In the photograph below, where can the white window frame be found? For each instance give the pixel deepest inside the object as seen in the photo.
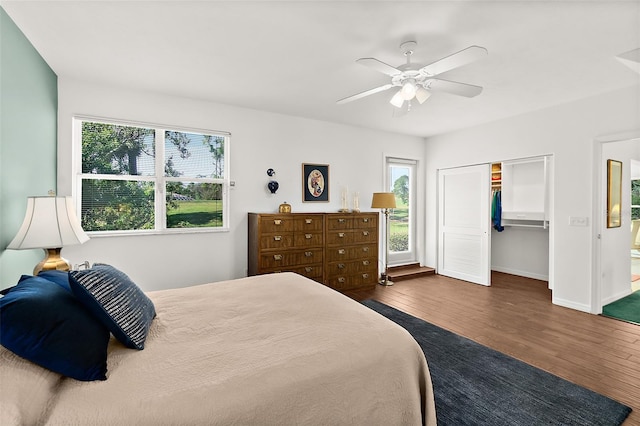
(159, 179)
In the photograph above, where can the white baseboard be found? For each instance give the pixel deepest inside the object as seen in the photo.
(571, 305)
(526, 274)
(615, 297)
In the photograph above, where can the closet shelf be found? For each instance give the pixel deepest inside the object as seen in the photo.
(541, 224)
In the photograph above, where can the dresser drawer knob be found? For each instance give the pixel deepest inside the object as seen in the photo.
(365, 249)
(277, 257)
(365, 220)
(341, 220)
(277, 221)
(308, 236)
(341, 251)
(365, 233)
(365, 262)
(277, 237)
(340, 265)
(341, 234)
(308, 253)
(342, 279)
(308, 221)
(365, 276)
(308, 269)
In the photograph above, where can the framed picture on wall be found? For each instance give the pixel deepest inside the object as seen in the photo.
(315, 182)
(614, 193)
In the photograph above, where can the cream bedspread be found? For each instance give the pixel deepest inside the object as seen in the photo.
(269, 350)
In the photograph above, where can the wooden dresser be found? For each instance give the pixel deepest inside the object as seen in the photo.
(339, 250)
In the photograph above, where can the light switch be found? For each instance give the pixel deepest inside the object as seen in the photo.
(578, 221)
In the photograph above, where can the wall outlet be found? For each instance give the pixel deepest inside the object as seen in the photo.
(578, 221)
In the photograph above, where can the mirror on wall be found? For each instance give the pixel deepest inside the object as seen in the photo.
(614, 193)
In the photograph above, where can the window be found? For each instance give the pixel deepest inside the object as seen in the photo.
(401, 180)
(147, 179)
(635, 199)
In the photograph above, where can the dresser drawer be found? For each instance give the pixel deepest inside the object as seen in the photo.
(345, 282)
(309, 223)
(365, 251)
(367, 265)
(275, 241)
(336, 269)
(364, 278)
(307, 239)
(276, 261)
(310, 271)
(339, 238)
(275, 224)
(352, 267)
(335, 254)
(366, 221)
(342, 254)
(339, 222)
(308, 256)
(364, 236)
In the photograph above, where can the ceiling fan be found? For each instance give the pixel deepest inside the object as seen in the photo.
(416, 82)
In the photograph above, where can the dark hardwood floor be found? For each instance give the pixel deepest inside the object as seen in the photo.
(515, 316)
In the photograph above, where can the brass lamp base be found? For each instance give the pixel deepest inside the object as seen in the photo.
(384, 280)
(52, 262)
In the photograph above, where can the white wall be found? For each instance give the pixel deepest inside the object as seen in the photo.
(521, 251)
(566, 131)
(259, 141)
(615, 261)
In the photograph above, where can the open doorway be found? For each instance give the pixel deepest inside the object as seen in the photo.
(618, 265)
(401, 180)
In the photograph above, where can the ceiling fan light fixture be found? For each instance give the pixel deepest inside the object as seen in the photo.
(397, 100)
(422, 94)
(409, 89)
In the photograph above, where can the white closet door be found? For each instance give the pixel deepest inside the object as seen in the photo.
(463, 223)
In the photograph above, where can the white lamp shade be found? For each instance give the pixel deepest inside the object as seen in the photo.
(50, 222)
(397, 100)
(422, 94)
(383, 200)
(409, 89)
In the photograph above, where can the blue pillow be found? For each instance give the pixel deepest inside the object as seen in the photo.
(116, 301)
(44, 323)
(59, 277)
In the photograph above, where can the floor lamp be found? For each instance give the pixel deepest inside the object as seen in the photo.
(385, 201)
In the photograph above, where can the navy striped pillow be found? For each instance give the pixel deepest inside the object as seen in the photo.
(115, 300)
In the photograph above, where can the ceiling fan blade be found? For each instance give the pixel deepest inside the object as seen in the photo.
(365, 93)
(454, 87)
(458, 59)
(380, 66)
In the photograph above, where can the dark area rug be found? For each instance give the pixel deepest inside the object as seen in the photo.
(626, 309)
(476, 385)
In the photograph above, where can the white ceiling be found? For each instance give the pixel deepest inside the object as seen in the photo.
(298, 57)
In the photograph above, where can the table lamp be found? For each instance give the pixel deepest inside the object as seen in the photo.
(385, 201)
(50, 223)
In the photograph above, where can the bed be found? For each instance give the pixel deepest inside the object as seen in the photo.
(273, 349)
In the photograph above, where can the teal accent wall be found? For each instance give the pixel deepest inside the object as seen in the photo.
(28, 141)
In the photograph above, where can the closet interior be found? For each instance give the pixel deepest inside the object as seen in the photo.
(521, 193)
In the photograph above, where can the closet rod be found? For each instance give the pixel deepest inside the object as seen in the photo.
(525, 226)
